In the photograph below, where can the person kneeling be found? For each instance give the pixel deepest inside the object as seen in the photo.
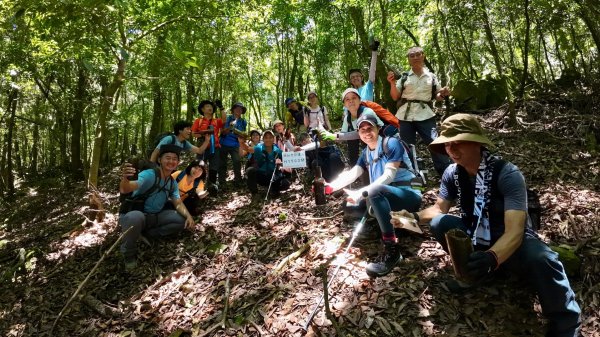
(143, 213)
(389, 188)
(191, 185)
(266, 170)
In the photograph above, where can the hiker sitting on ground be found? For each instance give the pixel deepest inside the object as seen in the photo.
(190, 182)
(235, 125)
(357, 81)
(209, 126)
(154, 187)
(267, 158)
(415, 91)
(295, 116)
(389, 187)
(316, 114)
(181, 133)
(352, 106)
(492, 200)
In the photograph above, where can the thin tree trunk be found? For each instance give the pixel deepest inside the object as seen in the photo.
(75, 121)
(521, 94)
(157, 96)
(12, 109)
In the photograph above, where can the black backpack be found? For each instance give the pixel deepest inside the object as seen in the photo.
(152, 146)
(129, 202)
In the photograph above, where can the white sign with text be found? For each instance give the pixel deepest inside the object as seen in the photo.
(294, 159)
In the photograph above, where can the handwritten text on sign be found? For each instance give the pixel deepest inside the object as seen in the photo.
(294, 159)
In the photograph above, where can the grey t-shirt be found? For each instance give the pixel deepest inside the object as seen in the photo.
(511, 184)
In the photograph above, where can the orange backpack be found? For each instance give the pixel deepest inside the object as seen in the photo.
(384, 114)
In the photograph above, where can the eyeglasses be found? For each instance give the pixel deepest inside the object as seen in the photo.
(414, 55)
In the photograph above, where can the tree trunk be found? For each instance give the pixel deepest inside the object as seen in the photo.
(589, 14)
(494, 51)
(12, 109)
(157, 99)
(35, 147)
(521, 94)
(75, 121)
(190, 94)
(106, 102)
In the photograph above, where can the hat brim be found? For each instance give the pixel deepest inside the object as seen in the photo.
(439, 144)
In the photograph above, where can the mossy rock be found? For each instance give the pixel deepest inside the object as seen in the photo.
(571, 262)
(467, 95)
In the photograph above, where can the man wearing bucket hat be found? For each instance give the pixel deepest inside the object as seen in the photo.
(389, 187)
(235, 125)
(492, 199)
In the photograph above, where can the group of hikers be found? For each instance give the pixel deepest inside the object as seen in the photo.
(490, 193)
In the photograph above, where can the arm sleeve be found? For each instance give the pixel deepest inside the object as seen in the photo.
(388, 175)
(373, 67)
(308, 147)
(346, 178)
(345, 121)
(352, 135)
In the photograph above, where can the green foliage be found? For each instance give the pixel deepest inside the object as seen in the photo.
(258, 52)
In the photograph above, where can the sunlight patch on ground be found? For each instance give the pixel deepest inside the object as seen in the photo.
(82, 237)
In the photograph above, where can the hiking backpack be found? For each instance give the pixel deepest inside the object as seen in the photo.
(411, 165)
(152, 146)
(390, 122)
(129, 202)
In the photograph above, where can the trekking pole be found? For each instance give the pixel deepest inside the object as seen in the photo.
(272, 179)
(357, 230)
(413, 149)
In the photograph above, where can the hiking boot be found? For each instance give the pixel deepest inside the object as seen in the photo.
(386, 261)
(130, 263)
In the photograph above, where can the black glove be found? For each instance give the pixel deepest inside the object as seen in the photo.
(481, 263)
(374, 45)
(219, 104)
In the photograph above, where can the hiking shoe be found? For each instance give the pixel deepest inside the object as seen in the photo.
(130, 263)
(386, 261)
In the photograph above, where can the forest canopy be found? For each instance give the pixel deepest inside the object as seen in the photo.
(85, 82)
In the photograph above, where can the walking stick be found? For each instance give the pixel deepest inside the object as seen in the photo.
(337, 269)
(272, 179)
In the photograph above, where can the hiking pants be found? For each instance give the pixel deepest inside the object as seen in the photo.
(235, 158)
(386, 198)
(428, 132)
(160, 225)
(330, 161)
(538, 265)
(263, 178)
(213, 160)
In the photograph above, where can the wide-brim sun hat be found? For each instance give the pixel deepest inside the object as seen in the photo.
(203, 103)
(460, 127)
(278, 121)
(238, 104)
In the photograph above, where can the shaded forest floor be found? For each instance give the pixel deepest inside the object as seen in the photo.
(227, 262)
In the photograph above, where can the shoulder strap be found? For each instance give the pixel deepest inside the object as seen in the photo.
(403, 79)
(180, 176)
(154, 186)
(173, 139)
